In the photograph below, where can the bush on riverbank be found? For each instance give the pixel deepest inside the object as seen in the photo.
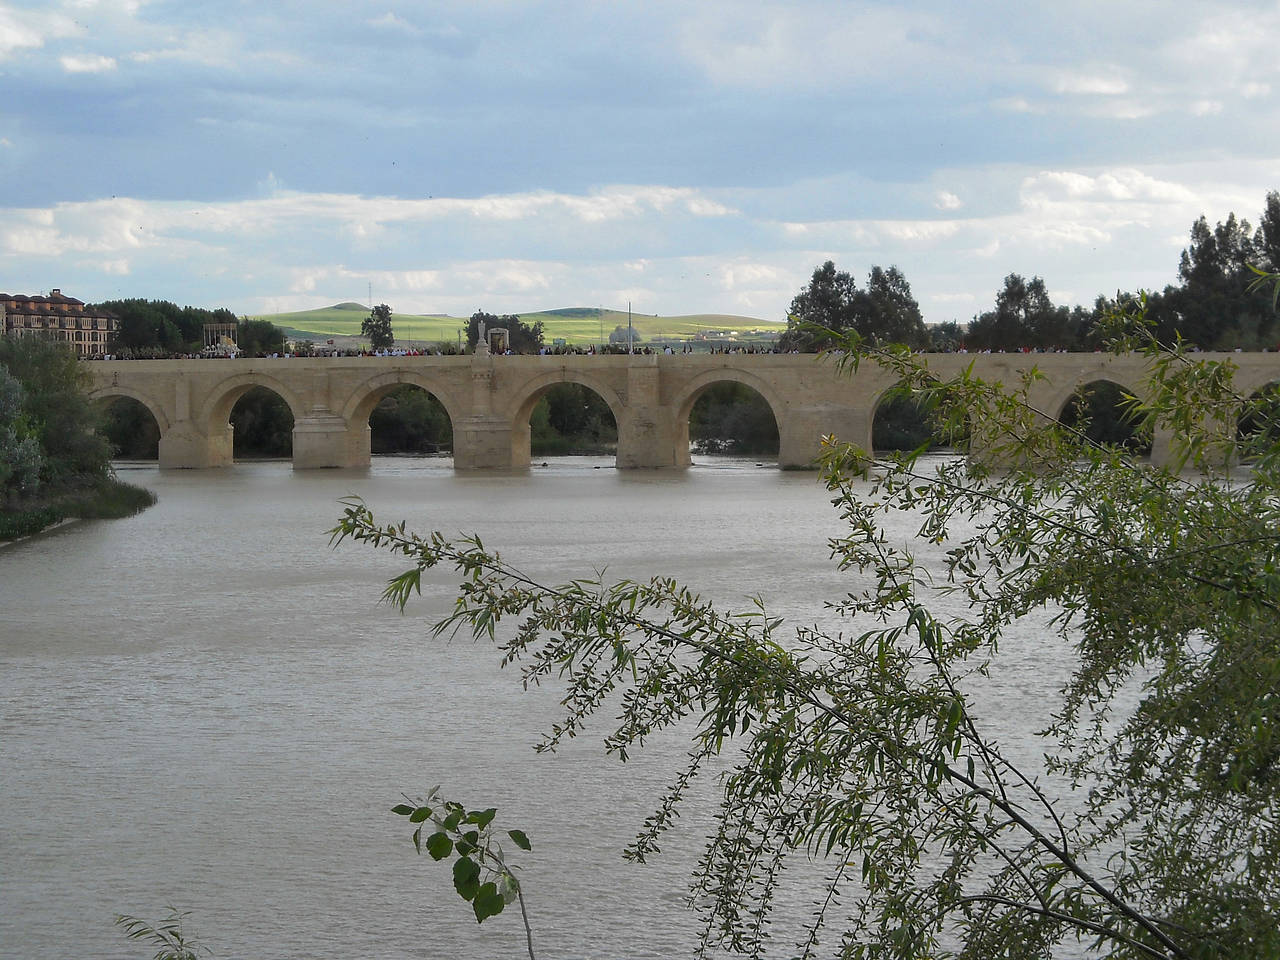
(53, 462)
(104, 499)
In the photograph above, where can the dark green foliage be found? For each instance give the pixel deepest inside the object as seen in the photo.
(55, 463)
(259, 338)
(523, 337)
(263, 424)
(21, 458)
(410, 420)
(158, 325)
(730, 417)
(886, 312)
(57, 408)
(166, 936)
(901, 423)
(24, 523)
(1025, 317)
(481, 874)
(945, 337)
(377, 327)
(571, 420)
(130, 429)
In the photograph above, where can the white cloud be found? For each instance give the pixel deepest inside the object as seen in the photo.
(87, 63)
(1107, 85)
(946, 200)
(391, 21)
(1126, 184)
(22, 29)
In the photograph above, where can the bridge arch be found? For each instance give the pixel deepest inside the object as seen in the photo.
(1055, 404)
(532, 390)
(1258, 420)
(215, 414)
(897, 422)
(366, 394)
(113, 390)
(689, 393)
(1104, 411)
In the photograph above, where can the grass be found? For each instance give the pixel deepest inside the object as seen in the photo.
(574, 325)
(97, 499)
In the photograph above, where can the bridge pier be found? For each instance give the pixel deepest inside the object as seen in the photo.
(488, 443)
(182, 447)
(327, 441)
(647, 440)
(800, 433)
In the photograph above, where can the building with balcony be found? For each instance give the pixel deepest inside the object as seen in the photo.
(64, 318)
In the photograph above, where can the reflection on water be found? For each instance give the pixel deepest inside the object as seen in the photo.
(204, 705)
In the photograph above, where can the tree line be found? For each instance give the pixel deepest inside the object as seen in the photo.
(162, 328)
(1216, 305)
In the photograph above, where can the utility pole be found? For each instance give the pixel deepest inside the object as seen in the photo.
(631, 342)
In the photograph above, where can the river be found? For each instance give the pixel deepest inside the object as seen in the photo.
(205, 706)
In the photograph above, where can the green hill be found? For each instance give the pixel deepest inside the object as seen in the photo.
(579, 325)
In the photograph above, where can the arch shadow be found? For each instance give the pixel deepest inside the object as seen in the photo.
(534, 389)
(699, 384)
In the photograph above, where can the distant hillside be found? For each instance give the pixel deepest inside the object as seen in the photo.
(572, 324)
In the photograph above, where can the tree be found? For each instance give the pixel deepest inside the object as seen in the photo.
(20, 456)
(1215, 307)
(56, 404)
(159, 326)
(885, 312)
(259, 337)
(1024, 316)
(893, 316)
(625, 335)
(377, 327)
(523, 337)
(1152, 832)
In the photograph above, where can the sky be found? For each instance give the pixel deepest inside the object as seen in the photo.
(686, 157)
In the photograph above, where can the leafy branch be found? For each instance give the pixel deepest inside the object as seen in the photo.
(481, 874)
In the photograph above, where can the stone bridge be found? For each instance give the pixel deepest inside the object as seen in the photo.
(489, 398)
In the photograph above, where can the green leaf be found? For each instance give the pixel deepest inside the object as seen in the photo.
(439, 845)
(488, 902)
(420, 814)
(519, 839)
(466, 877)
(402, 809)
(417, 839)
(482, 818)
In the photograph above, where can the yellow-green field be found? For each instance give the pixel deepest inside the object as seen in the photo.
(576, 325)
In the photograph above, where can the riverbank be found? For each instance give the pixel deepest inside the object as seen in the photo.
(106, 499)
